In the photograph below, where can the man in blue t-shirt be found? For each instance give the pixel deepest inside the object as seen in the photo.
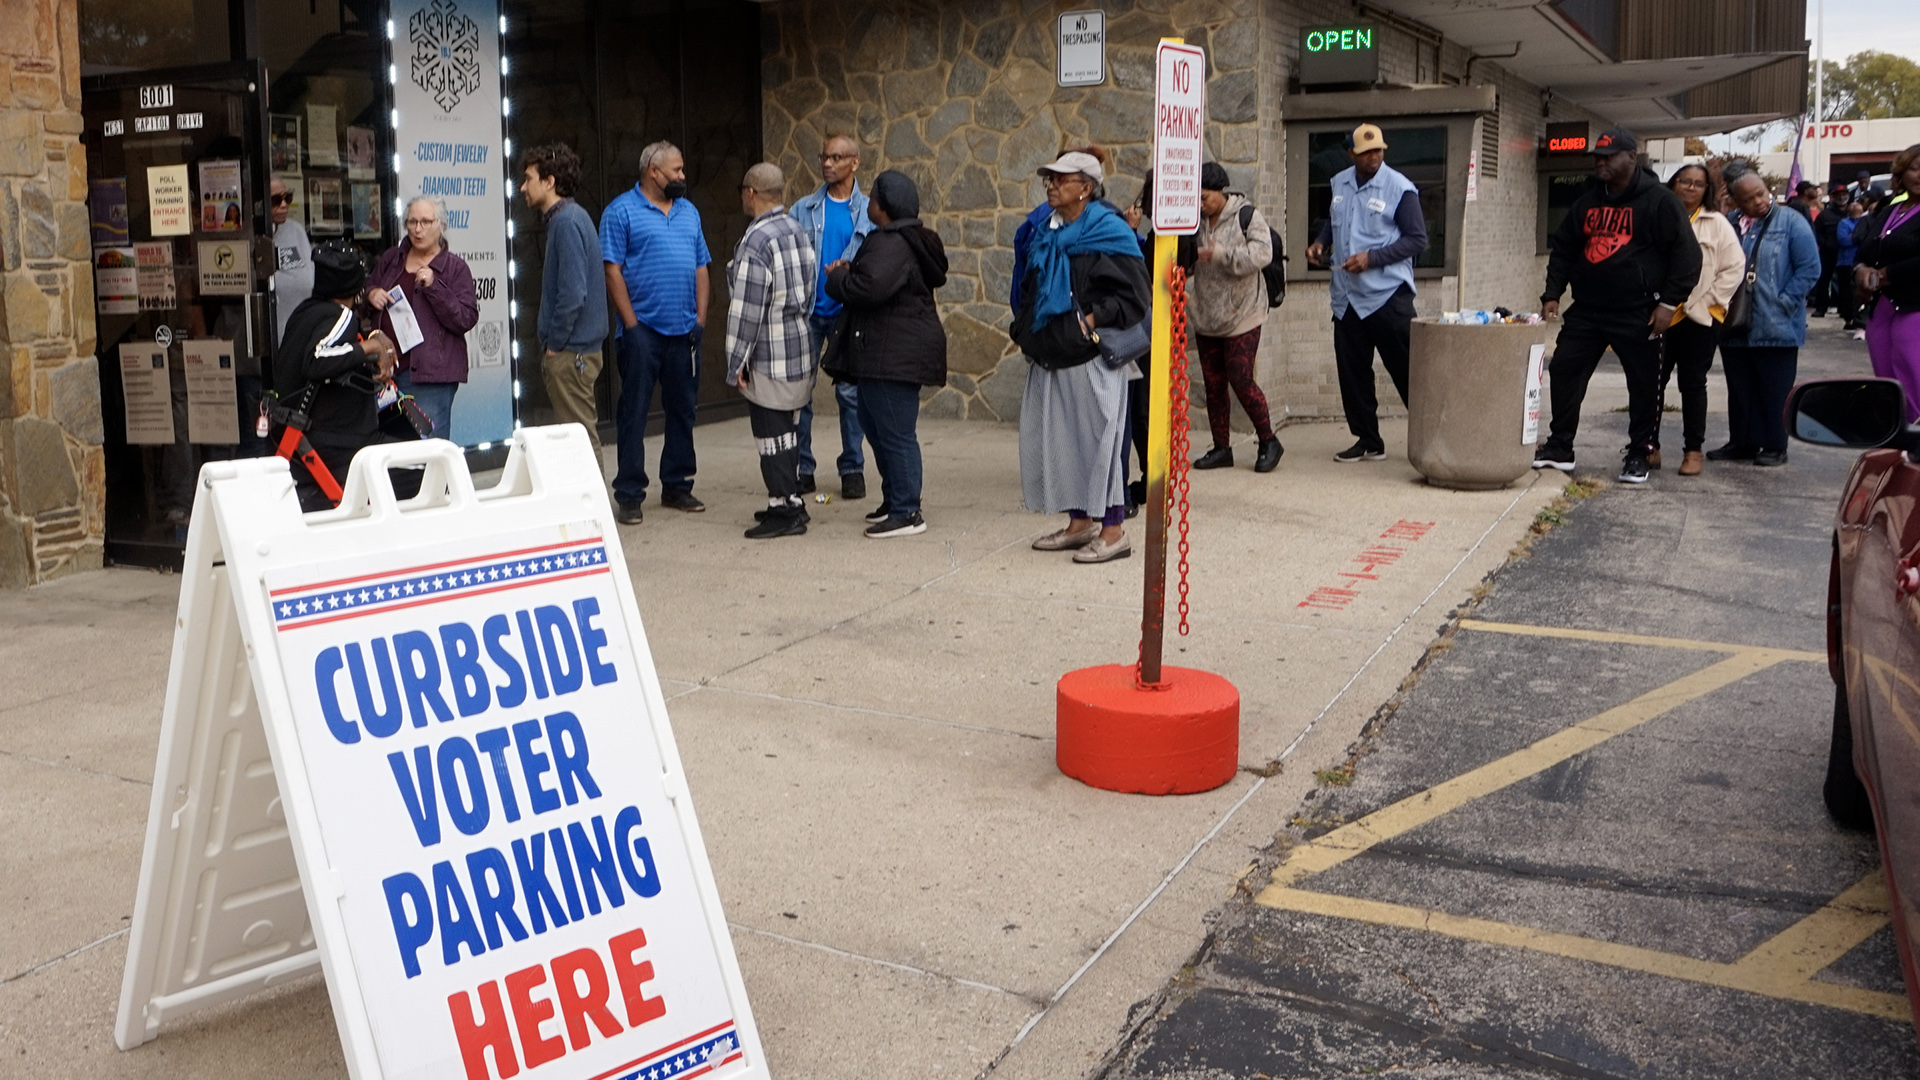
(656, 262)
(835, 215)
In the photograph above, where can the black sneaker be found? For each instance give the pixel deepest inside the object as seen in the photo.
(1733, 452)
(879, 514)
(807, 484)
(1551, 456)
(1361, 452)
(1770, 458)
(1269, 457)
(898, 525)
(681, 500)
(800, 508)
(1634, 469)
(853, 486)
(627, 513)
(1220, 457)
(779, 523)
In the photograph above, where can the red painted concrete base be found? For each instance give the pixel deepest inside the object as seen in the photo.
(1180, 738)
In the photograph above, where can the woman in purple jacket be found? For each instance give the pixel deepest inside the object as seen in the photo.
(438, 286)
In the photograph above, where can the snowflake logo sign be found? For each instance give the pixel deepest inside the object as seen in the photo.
(446, 52)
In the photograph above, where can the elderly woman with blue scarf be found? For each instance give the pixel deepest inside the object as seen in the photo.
(1083, 271)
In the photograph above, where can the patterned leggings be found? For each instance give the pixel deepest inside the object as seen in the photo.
(1228, 364)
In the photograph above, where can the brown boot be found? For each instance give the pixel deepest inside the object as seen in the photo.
(1692, 463)
(1653, 458)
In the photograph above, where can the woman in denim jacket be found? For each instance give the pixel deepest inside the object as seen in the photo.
(1760, 363)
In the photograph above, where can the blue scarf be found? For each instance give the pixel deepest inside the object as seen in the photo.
(1099, 230)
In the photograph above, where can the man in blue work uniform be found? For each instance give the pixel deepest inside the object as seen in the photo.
(835, 215)
(1374, 231)
(656, 262)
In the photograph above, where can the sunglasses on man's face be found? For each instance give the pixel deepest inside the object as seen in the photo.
(281, 200)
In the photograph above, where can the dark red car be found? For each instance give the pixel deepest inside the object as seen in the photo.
(1873, 629)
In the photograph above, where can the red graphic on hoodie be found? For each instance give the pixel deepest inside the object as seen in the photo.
(1608, 229)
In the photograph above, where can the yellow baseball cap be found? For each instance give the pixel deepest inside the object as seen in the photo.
(1367, 137)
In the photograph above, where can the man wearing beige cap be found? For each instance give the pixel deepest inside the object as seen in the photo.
(1373, 232)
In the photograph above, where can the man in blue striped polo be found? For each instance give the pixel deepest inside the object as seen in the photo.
(656, 262)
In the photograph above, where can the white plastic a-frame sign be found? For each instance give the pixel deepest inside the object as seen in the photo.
(422, 745)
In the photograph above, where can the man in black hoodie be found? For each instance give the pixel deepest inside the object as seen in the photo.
(1628, 250)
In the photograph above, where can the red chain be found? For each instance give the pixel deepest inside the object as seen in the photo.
(1179, 465)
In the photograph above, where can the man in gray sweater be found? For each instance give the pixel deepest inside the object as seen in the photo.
(573, 306)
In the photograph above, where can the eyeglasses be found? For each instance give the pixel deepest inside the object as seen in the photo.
(423, 222)
(834, 159)
(281, 199)
(1056, 179)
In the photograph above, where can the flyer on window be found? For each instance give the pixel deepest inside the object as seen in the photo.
(360, 153)
(148, 396)
(220, 197)
(283, 134)
(226, 268)
(366, 211)
(323, 137)
(107, 206)
(154, 261)
(169, 202)
(213, 414)
(116, 280)
(326, 205)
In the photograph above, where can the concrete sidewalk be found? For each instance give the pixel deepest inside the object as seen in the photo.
(914, 888)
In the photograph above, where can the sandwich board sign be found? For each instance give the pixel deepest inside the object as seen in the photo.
(421, 746)
(1179, 136)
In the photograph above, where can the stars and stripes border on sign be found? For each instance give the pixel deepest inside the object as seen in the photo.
(310, 605)
(696, 1056)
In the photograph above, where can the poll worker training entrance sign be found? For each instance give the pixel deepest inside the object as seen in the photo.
(423, 747)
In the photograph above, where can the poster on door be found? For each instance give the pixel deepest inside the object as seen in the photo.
(220, 197)
(154, 263)
(116, 280)
(144, 387)
(450, 141)
(107, 209)
(169, 203)
(212, 408)
(226, 267)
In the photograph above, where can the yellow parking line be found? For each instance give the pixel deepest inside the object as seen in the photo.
(1758, 978)
(1804, 949)
(1637, 639)
(1349, 840)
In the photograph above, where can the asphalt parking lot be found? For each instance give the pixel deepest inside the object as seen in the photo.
(1588, 841)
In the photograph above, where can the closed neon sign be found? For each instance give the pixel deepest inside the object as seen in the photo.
(1347, 39)
(1568, 145)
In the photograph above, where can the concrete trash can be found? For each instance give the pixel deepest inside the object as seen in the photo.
(1474, 401)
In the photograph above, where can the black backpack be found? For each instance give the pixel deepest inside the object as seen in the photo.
(1274, 273)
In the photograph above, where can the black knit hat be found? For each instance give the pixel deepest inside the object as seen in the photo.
(896, 194)
(338, 271)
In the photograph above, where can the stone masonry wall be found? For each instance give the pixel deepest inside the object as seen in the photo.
(961, 96)
(52, 468)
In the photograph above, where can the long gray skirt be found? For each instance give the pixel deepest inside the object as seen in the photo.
(1073, 438)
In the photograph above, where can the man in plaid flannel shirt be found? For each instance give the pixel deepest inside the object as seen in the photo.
(770, 350)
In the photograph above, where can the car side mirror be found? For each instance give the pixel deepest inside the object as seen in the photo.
(1855, 413)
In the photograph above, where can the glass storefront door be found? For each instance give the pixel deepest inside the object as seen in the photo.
(177, 195)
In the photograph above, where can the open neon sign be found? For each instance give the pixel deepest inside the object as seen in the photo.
(1345, 39)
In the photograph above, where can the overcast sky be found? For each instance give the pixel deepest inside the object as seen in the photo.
(1858, 25)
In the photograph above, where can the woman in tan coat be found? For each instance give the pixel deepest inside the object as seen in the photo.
(1689, 346)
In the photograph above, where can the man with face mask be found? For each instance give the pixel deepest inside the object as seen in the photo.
(656, 258)
(1628, 250)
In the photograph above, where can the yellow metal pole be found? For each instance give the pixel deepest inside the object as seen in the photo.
(1159, 443)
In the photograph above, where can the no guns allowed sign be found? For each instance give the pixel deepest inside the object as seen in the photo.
(423, 746)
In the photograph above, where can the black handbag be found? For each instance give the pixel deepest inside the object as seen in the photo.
(1123, 345)
(1740, 305)
(833, 349)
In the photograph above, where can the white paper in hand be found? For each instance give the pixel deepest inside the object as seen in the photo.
(406, 328)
